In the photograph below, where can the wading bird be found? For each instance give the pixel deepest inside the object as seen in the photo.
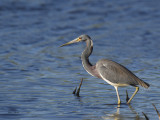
(110, 71)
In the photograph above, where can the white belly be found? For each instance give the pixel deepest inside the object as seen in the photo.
(113, 84)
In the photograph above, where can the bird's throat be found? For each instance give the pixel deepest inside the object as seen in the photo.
(85, 57)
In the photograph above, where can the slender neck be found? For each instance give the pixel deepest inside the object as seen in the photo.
(85, 56)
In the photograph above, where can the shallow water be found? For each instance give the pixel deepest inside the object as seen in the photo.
(37, 77)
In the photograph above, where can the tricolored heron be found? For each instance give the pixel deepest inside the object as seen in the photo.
(113, 73)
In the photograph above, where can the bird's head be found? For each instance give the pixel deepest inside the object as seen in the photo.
(79, 39)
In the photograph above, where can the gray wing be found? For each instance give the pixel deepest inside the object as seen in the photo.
(116, 73)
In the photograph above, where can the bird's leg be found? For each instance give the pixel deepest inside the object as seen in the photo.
(119, 101)
(137, 89)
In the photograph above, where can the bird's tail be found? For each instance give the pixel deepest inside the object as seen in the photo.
(143, 84)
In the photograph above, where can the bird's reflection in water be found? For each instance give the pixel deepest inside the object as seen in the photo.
(118, 116)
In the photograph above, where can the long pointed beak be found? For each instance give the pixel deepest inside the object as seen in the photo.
(71, 42)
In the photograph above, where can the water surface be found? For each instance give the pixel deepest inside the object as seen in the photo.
(37, 77)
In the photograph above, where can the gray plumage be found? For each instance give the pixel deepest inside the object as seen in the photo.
(110, 71)
(118, 74)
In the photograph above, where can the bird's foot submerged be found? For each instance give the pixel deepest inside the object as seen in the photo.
(137, 89)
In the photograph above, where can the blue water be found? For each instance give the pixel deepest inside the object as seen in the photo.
(37, 77)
